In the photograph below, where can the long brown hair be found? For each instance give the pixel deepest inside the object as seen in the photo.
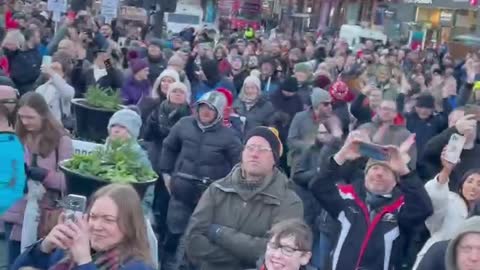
(51, 131)
(130, 220)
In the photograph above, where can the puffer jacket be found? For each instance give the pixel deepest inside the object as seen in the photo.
(158, 126)
(210, 153)
(245, 220)
(258, 115)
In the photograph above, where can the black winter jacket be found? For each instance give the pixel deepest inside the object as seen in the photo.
(425, 129)
(363, 242)
(209, 153)
(433, 151)
(158, 126)
(258, 115)
(82, 79)
(24, 68)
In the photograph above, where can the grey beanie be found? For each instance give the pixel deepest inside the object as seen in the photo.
(471, 225)
(319, 96)
(129, 119)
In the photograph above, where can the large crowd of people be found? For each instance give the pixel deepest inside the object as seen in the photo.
(258, 143)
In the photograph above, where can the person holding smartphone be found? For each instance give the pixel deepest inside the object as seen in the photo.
(111, 235)
(374, 213)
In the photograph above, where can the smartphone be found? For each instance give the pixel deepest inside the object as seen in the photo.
(46, 60)
(74, 206)
(373, 151)
(454, 148)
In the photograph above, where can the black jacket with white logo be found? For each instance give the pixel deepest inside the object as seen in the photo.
(370, 239)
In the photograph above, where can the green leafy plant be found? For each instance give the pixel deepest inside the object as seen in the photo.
(103, 98)
(117, 163)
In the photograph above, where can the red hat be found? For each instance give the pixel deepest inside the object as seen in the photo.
(10, 22)
(340, 92)
(228, 95)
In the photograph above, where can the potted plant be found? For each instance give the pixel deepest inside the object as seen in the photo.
(116, 163)
(93, 112)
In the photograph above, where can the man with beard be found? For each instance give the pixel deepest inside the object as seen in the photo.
(156, 60)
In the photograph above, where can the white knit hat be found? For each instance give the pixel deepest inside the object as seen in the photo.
(166, 73)
(181, 86)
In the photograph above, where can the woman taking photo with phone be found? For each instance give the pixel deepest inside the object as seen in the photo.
(110, 236)
(450, 208)
(46, 143)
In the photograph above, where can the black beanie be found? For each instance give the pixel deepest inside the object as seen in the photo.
(271, 136)
(290, 85)
(425, 101)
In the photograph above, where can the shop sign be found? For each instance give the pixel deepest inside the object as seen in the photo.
(446, 18)
(425, 2)
(133, 14)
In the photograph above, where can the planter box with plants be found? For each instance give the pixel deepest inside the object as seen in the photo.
(116, 163)
(93, 112)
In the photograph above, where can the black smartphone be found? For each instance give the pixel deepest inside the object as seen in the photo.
(373, 151)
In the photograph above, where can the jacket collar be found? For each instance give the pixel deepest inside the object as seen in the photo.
(271, 194)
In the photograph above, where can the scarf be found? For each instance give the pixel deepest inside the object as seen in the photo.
(173, 111)
(109, 260)
(247, 189)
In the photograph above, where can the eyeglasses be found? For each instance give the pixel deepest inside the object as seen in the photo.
(286, 250)
(258, 148)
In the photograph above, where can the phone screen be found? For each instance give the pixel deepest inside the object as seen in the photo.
(75, 206)
(46, 60)
(373, 151)
(454, 148)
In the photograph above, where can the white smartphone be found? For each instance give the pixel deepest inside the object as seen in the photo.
(454, 148)
(46, 60)
(74, 206)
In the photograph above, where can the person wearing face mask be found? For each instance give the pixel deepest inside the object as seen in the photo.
(466, 126)
(198, 150)
(112, 235)
(450, 208)
(252, 106)
(375, 213)
(137, 84)
(289, 247)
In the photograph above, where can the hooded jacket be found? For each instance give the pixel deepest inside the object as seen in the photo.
(133, 90)
(471, 225)
(245, 222)
(203, 151)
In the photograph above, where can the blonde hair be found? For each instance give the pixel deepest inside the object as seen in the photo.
(14, 36)
(130, 220)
